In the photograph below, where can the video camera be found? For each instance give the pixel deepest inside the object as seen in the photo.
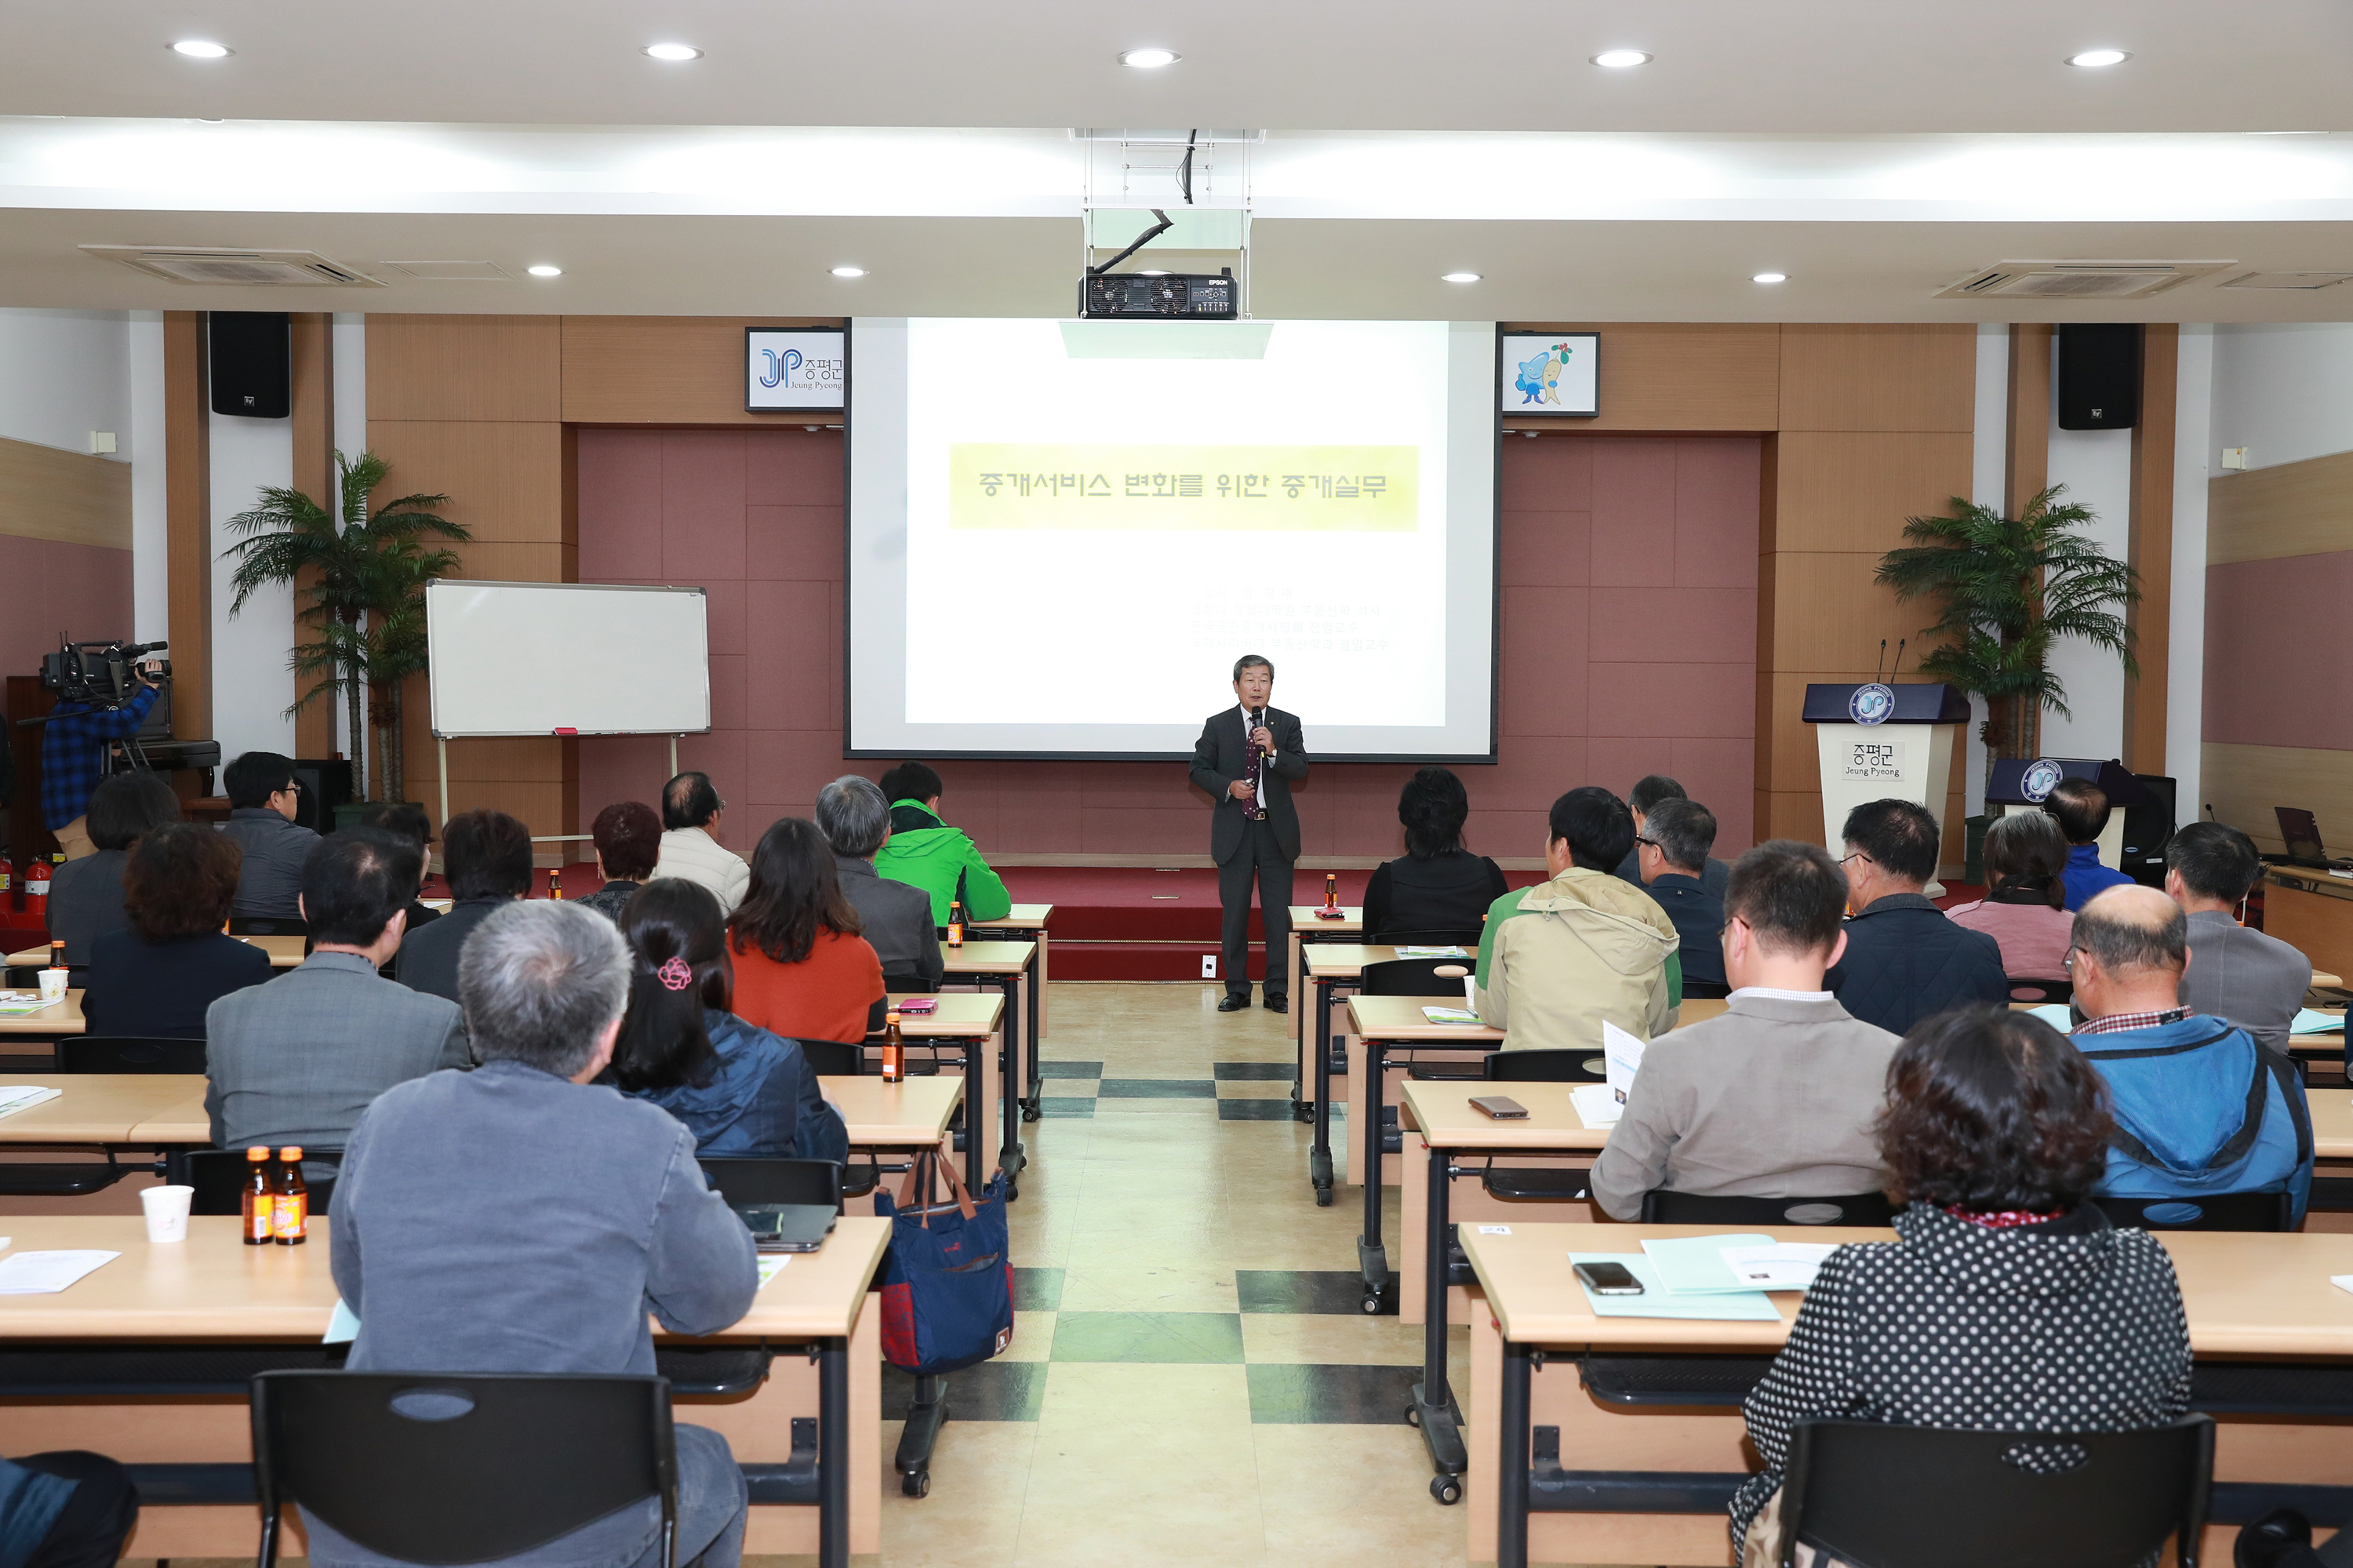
(103, 675)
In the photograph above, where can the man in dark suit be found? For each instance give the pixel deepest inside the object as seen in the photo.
(1905, 959)
(1248, 759)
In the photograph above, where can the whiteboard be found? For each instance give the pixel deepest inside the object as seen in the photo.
(567, 658)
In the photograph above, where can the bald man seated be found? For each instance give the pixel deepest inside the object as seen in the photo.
(2200, 1108)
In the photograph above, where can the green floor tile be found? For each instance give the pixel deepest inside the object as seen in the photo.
(1196, 1337)
(1331, 1395)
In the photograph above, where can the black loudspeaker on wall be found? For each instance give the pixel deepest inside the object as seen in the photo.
(2099, 376)
(252, 358)
(2147, 830)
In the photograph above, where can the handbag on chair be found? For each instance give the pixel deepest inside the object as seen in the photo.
(947, 1280)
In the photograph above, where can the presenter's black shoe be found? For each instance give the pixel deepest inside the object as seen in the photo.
(1229, 1003)
(1278, 1004)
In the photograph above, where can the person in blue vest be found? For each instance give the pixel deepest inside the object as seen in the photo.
(2081, 809)
(2200, 1108)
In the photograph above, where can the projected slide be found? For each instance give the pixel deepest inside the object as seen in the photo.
(1063, 533)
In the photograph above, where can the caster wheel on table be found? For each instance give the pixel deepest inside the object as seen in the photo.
(1372, 1303)
(1447, 1489)
(1413, 1416)
(1028, 1113)
(917, 1483)
(1323, 1198)
(1011, 1191)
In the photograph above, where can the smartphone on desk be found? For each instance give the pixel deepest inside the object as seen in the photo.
(917, 1006)
(1608, 1278)
(1501, 1108)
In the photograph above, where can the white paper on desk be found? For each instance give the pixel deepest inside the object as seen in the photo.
(47, 1272)
(1621, 1058)
(342, 1326)
(1433, 952)
(2342, 1281)
(2312, 1020)
(773, 1265)
(1597, 1105)
(1785, 1265)
(2056, 1014)
(18, 1003)
(22, 1094)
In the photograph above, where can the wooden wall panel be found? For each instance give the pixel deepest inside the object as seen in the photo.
(2243, 783)
(465, 368)
(314, 476)
(504, 481)
(46, 493)
(1678, 376)
(667, 370)
(2026, 439)
(2295, 509)
(1845, 490)
(1895, 377)
(187, 506)
(2151, 551)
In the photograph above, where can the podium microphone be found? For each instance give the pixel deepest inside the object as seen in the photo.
(1899, 657)
(1875, 669)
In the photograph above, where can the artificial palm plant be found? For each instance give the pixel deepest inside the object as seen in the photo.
(365, 568)
(2007, 588)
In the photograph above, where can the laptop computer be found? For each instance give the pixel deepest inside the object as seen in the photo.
(2302, 836)
(788, 1227)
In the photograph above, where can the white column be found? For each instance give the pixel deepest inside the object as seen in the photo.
(2193, 452)
(1988, 475)
(2096, 467)
(150, 564)
(252, 687)
(350, 358)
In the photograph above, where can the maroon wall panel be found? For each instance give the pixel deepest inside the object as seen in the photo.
(86, 592)
(2279, 652)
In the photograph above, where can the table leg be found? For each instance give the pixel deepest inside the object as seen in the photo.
(1371, 1255)
(1037, 1029)
(833, 1453)
(975, 1107)
(1010, 1158)
(1512, 1462)
(1319, 1151)
(1433, 1408)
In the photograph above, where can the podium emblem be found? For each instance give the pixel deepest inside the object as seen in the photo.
(2039, 780)
(1873, 704)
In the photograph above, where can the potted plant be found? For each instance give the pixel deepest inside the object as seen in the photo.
(2005, 590)
(363, 571)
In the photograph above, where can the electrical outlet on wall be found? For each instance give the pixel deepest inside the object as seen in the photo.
(2235, 457)
(1209, 966)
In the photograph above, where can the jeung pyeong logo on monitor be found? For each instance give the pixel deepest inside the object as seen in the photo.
(796, 369)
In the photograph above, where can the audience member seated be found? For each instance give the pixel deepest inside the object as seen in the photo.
(486, 856)
(692, 813)
(1437, 885)
(1582, 948)
(85, 895)
(65, 1509)
(263, 795)
(1649, 790)
(297, 1060)
(627, 836)
(156, 976)
(802, 969)
(2254, 981)
(406, 820)
(1904, 960)
(925, 853)
(2081, 809)
(2025, 908)
(897, 917)
(2200, 1108)
(740, 1090)
(2007, 1300)
(1773, 1098)
(1670, 851)
(520, 1218)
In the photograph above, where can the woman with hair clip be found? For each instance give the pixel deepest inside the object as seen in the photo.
(740, 1090)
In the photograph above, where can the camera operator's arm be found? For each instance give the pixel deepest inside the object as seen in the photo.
(126, 719)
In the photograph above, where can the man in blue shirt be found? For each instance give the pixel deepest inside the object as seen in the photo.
(73, 759)
(2081, 809)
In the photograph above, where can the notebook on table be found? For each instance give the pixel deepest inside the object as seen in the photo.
(788, 1227)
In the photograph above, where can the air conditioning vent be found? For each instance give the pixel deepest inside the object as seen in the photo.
(453, 272)
(2305, 280)
(206, 264)
(2077, 280)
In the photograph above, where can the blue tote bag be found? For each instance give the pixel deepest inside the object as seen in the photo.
(947, 1280)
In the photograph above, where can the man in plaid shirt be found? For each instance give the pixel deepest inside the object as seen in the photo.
(73, 759)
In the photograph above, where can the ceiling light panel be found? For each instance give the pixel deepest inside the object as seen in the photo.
(201, 49)
(1149, 60)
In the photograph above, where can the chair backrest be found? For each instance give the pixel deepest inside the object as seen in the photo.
(2043, 992)
(1930, 1498)
(1662, 1207)
(901, 982)
(130, 1054)
(218, 1177)
(1411, 977)
(2208, 1212)
(834, 1058)
(1393, 939)
(742, 1180)
(1707, 990)
(430, 1467)
(266, 925)
(1573, 1064)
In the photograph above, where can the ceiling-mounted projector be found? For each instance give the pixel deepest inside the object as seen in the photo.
(1187, 296)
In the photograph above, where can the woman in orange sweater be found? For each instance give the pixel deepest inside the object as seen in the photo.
(802, 971)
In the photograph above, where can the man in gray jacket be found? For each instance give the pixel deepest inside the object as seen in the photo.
(520, 1218)
(1773, 1098)
(263, 795)
(297, 1060)
(856, 821)
(2254, 981)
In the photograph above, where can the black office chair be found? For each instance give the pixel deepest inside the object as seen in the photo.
(743, 1179)
(266, 925)
(1662, 1207)
(901, 982)
(62, 1179)
(2043, 992)
(1706, 991)
(130, 1054)
(433, 1467)
(1559, 1065)
(218, 1177)
(1930, 1497)
(2215, 1212)
(1469, 939)
(1418, 977)
(834, 1058)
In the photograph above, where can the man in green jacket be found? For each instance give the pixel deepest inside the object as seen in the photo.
(924, 851)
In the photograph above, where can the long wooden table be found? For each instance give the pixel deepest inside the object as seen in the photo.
(57, 1018)
(285, 953)
(1309, 928)
(1026, 923)
(2312, 912)
(211, 1290)
(968, 1021)
(1648, 1482)
(1007, 966)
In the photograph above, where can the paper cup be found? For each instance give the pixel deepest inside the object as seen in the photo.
(53, 985)
(167, 1212)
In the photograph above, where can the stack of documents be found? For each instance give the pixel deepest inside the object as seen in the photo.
(1433, 952)
(2312, 1020)
(47, 1272)
(18, 1003)
(1449, 1015)
(1597, 1105)
(1721, 1278)
(22, 1094)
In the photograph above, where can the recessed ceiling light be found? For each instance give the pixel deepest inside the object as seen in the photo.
(1619, 59)
(1150, 60)
(1458, 277)
(544, 270)
(674, 51)
(201, 49)
(1769, 277)
(849, 271)
(2092, 59)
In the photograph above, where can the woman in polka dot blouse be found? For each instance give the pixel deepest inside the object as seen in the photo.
(2009, 1302)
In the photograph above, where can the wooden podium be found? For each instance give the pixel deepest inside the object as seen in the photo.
(1879, 742)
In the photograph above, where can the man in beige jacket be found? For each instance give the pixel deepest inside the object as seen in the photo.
(1582, 948)
(1775, 1097)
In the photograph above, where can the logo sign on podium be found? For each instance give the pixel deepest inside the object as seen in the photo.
(2040, 778)
(1872, 703)
(1875, 761)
